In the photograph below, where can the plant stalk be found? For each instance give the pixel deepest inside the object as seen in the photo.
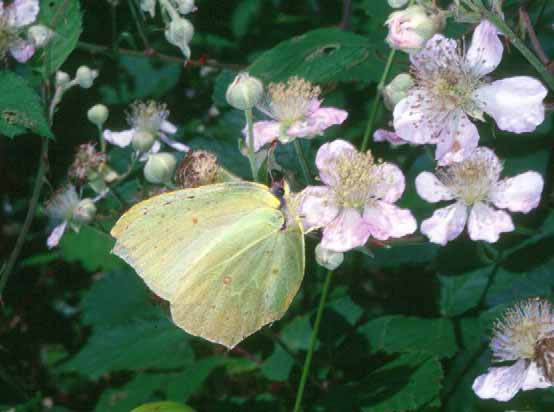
(251, 158)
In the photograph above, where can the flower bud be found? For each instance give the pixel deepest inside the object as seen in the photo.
(85, 211)
(179, 33)
(148, 6)
(62, 78)
(39, 35)
(397, 89)
(85, 77)
(327, 258)
(245, 92)
(396, 4)
(198, 168)
(410, 29)
(160, 167)
(185, 6)
(142, 141)
(98, 114)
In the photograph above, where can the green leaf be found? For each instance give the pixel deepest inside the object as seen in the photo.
(278, 365)
(297, 333)
(64, 18)
(458, 294)
(345, 307)
(20, 108)
(321, 55)
(91, 248)
(163, 407)
(244, 14)
(397, 334)
(155, 343)
(405, 384)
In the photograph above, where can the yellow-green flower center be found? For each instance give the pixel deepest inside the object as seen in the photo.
(290, 101)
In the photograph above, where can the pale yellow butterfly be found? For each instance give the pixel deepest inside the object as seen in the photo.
(228, 257)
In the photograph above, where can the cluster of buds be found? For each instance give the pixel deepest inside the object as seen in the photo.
(179, 31)
(90, 166)
(84, 77)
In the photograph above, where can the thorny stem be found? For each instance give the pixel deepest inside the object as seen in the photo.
(251, 158)
(313, 339)
(377, 101)
(302, 161)
(518, 43)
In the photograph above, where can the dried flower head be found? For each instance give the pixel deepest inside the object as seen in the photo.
(197, 168)
(87, 161)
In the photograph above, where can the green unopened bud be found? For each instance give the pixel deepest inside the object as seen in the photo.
(179, 33)
(245, 92)
(185, 6)
(85, 77)
(397, 89)
(148, 6)
(327, 258)
(160, 167)
(396, 4)
(62, 78)
(142, 141)
(98, 114)
(410, 29)
(39, 35)
(85, 212)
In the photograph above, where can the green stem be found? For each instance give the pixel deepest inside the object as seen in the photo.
(251, 159)
(377, 101)
(102, 141)
(33, 203)
(302, 161)
(313, 339)
(138, 23)
(518, 43)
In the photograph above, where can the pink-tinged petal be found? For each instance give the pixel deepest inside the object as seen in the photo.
(516, 103)
(22, 12)
(264, 132)
(168, 127)
(430, 188)
(446, 224)
(487, 224)
(347, 231)
(314, 105)
(1, 8)
(535, 378)
(501, 383)
(439, 52)
(416, 121)
(22, 51)
(382, 135)
(520, 193)
(121, 139)
(316, 122)
(327, 157)
(458, 139)
(486, 49)
(175, 145)
(386, 220)
(392, 184)
(318, 207)
(55, 236)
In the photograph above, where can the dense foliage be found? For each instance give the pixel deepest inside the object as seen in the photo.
(407, 323)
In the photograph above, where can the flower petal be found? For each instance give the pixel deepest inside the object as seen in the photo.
(535, 379)
(316, 122)
(318, 207)
(439, 52)
(264, 132)
(516, 103)
(416, 120)
(382, 135)
(386, 220)
(22, 51)
(121, 139)
(172, 143)
(458, 139)
(346, 232)
(327, 156)
(392, 185)
(446, 224)
(430, 188)
(501, 383)
(520, 193)
(22, 12)
(486, 224)
(56, 234)
(486, 49)
(168, 127)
